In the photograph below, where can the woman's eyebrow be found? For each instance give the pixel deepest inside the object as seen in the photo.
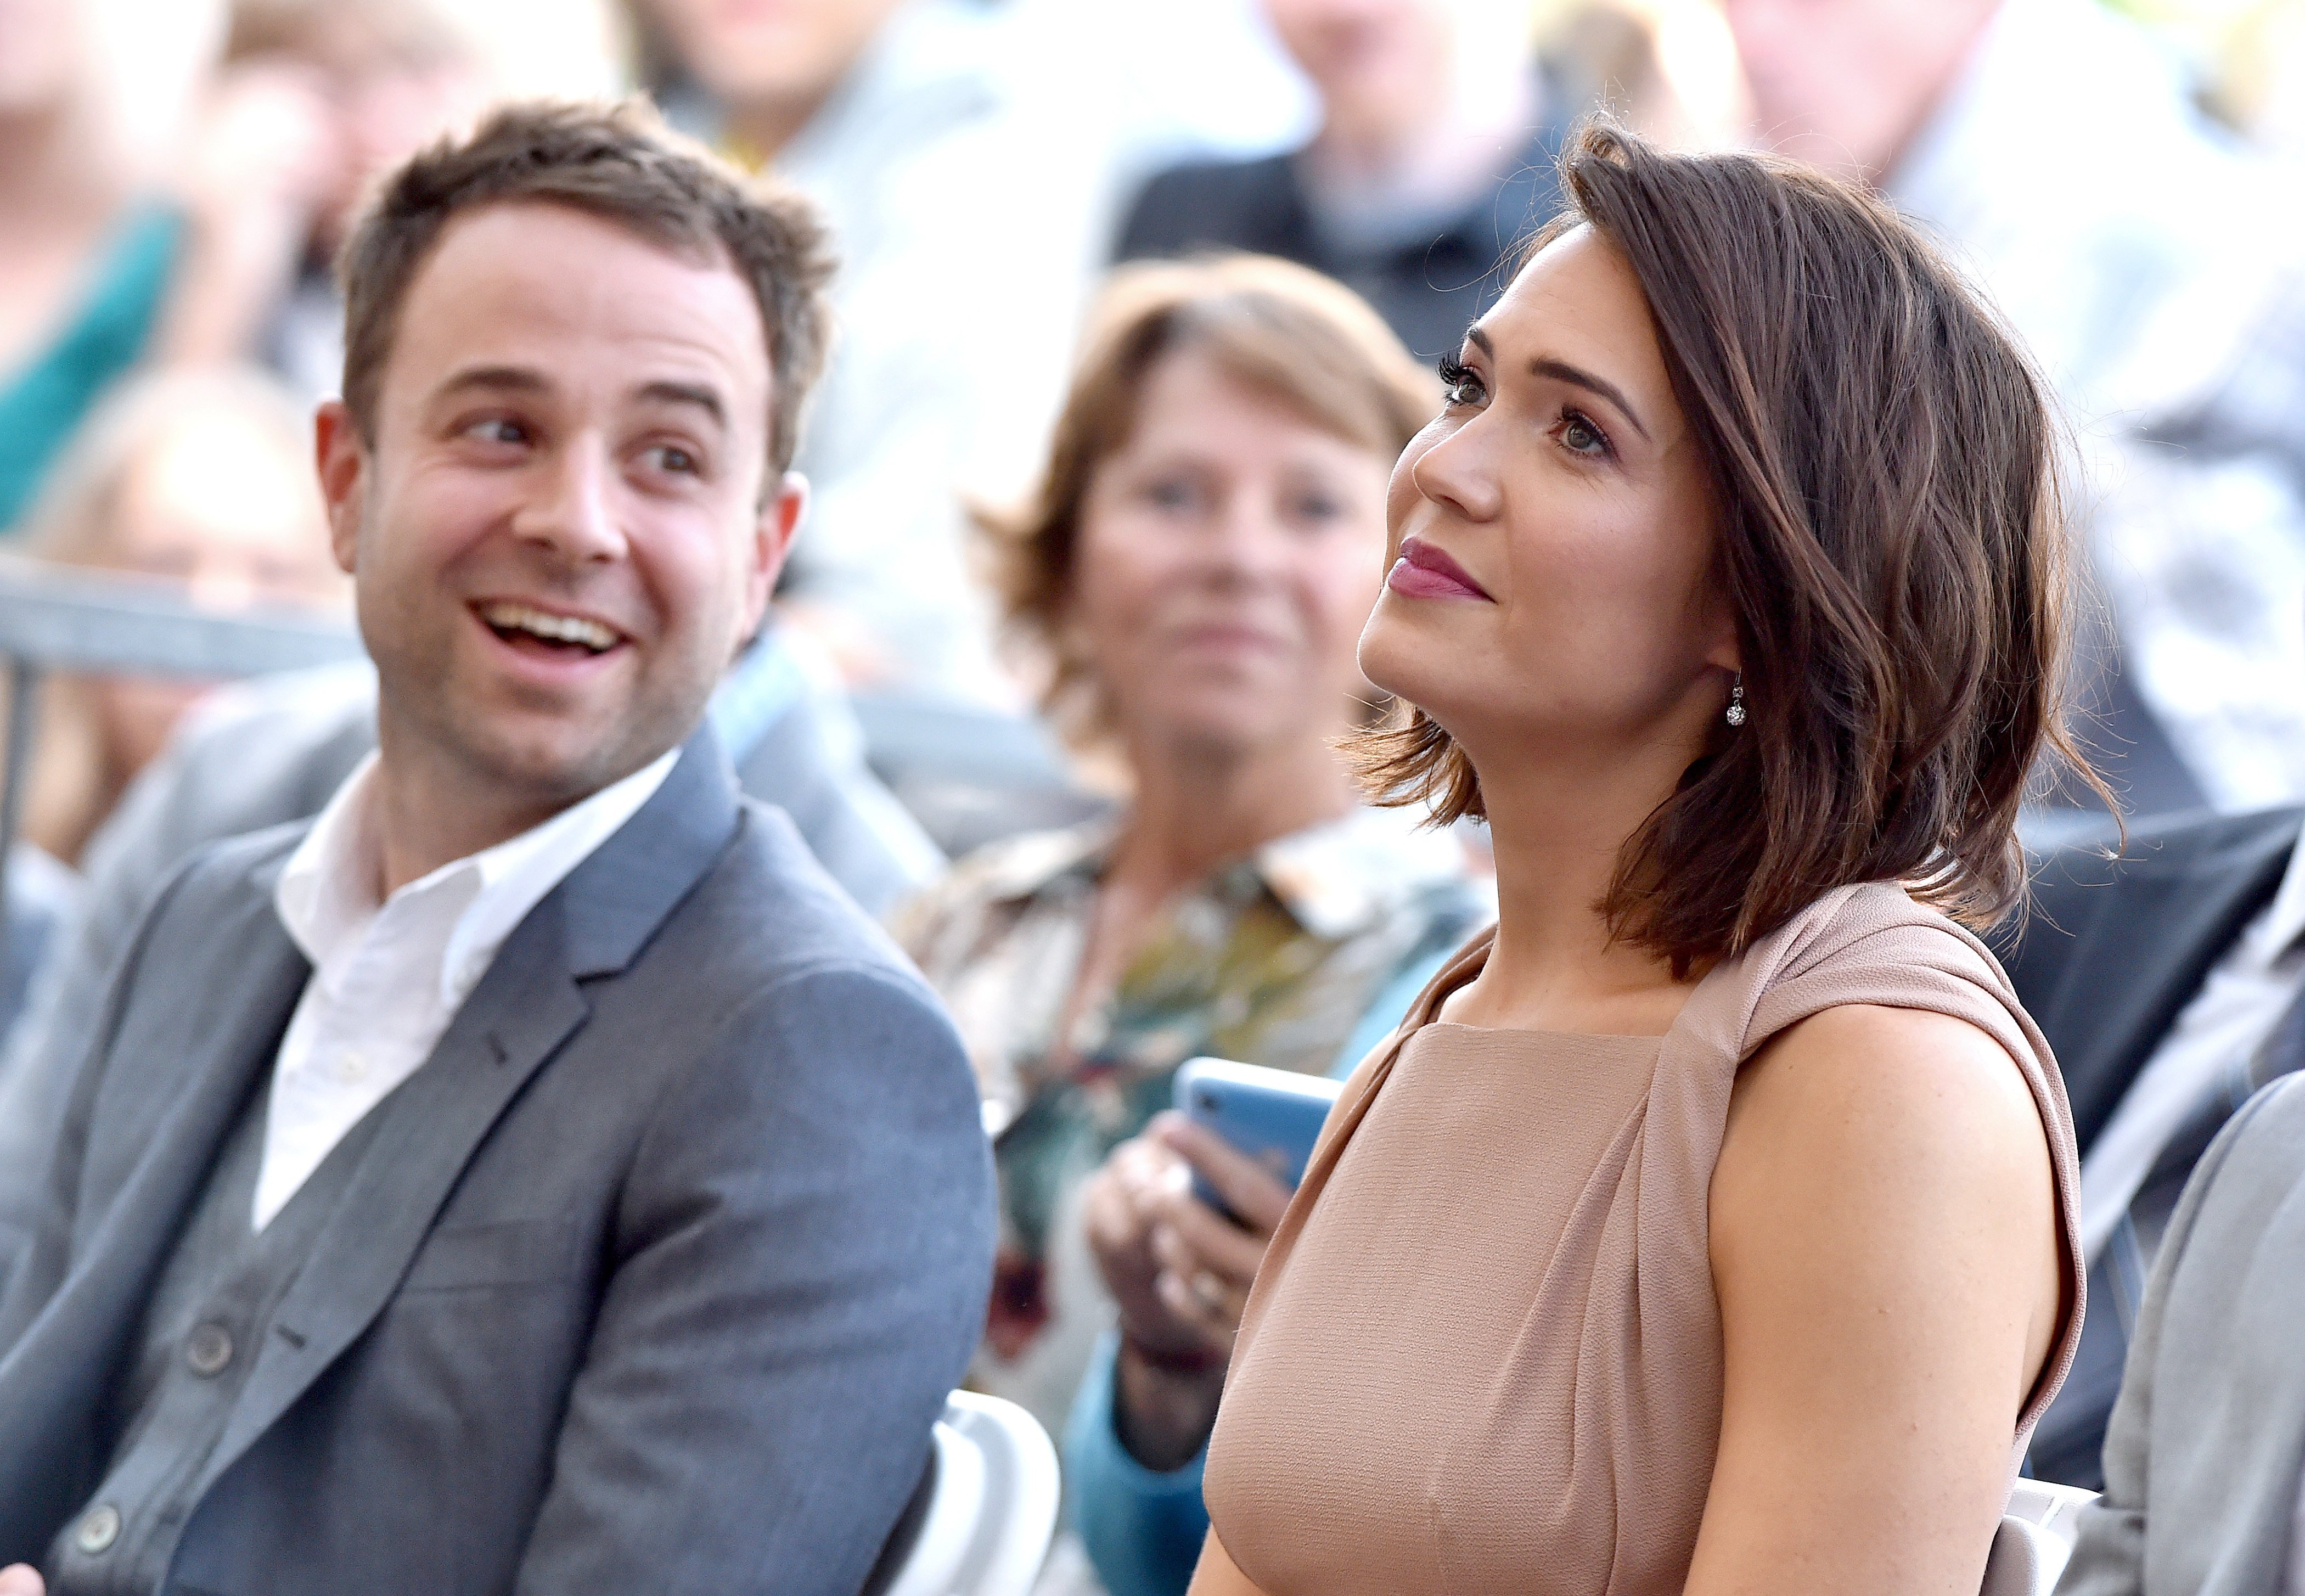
(1577, 377)
(1560, 370)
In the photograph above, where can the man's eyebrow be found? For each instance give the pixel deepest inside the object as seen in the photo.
(703, 395)
(496, 379)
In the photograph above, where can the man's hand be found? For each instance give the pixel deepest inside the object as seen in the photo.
(21, 1579)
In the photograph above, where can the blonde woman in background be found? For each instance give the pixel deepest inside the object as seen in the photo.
(1196, 566)
(201, 478)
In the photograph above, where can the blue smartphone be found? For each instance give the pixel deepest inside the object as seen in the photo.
(1273, 1115)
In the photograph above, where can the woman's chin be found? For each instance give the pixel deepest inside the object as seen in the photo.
(1405, 661)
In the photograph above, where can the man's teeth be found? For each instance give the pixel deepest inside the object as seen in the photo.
(559, 629)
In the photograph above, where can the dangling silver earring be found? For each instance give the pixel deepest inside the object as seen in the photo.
(1736, 714)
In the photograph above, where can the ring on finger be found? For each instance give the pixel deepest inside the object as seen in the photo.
(1207, 1290)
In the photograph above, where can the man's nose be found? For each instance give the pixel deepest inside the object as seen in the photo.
(573, 511)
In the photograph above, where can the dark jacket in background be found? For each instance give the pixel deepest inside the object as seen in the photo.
(1429, 292)
(653, 1277)
(2112, 952)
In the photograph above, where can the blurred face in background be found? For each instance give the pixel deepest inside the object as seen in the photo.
(788, 54)
(357, 88)
(1228, 554)
(1385, 69)
(40, 55)
(224, 505)
(1846, 84)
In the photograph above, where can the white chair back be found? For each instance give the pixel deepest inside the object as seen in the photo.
(2036, 1539)
(992, 1507)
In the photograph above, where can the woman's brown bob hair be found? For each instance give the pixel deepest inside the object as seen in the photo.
(1307, 343)
(1884, 465)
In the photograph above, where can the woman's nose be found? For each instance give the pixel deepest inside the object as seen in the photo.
(1457, 471)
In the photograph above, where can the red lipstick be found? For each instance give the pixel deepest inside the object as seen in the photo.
(1424, 571)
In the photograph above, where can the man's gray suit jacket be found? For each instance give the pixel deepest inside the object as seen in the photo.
(655, 1279)
(2205, 1450)
(278, 754)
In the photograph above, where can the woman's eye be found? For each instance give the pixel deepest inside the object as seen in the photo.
(1579, 435)
(1460, 384)
(1320, 507)
(1169, 493)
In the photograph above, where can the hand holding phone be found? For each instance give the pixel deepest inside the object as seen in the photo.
(1271, 1116)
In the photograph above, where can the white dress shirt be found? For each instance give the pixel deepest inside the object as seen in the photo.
(388, 976)
(2229, 1018)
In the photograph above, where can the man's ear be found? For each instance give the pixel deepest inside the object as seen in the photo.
(781, 513)
(343, 461)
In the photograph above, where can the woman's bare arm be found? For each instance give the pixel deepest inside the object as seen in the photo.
(1885, 1250)
(1215, 1575)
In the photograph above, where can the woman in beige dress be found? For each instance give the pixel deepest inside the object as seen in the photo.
(1709, 1226)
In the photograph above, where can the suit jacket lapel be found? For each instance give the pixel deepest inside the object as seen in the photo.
(525, 1007)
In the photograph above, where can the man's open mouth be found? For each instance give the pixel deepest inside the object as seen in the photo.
(573, 634)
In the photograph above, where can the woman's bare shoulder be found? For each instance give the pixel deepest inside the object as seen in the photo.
(1904, 1118)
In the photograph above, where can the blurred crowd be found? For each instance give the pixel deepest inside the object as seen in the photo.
(1059, 414)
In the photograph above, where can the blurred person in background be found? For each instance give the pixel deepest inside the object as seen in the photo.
(1435, 157)
(967, 226)
(201, 478)
(1195, 564)
(2043, 141)
(315, 99)
(86, 244)
(204, 479)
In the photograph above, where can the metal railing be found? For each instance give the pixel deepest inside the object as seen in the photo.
(57, 617)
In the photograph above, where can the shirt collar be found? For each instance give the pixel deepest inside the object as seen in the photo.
(328, 893)
(1334, 879)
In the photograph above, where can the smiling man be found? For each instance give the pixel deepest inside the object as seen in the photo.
(533, 1173)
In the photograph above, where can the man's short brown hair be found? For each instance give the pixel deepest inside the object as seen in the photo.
(619, 163)
(1884, 461)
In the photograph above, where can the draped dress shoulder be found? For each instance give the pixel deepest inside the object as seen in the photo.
(1483, 1353)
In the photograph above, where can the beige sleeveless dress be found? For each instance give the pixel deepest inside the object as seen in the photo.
(1483, 1353)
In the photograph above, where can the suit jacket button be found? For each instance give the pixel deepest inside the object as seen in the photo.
(99, 1527)
(207, 1350)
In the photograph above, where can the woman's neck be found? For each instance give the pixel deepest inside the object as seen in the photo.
(1196, 809)
(1558, 828)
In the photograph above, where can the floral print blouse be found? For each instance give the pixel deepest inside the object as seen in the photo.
(1274, 960)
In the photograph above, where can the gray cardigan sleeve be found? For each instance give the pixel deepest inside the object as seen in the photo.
(802, 1256)
(2116, 1542)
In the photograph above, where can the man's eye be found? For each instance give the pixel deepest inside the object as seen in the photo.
(673, 458)
(1169, 493)
(496, 430)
